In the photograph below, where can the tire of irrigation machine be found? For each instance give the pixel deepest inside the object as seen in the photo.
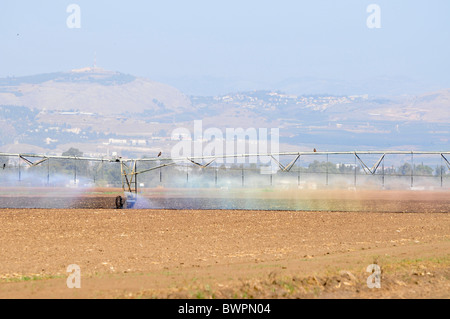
(119, 202)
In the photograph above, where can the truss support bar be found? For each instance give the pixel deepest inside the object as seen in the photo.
(291, 164)
(363, 164)
(374, 168)
(201, 165)
(126, 183)
(204, 166)
(377, 164)
(195, 163)
(40, 162)
(30, 163)
(446, 161)
(279, 164)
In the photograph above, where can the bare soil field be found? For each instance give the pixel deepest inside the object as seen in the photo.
(158, 253)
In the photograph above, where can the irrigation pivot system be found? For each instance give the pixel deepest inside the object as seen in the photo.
(129, 168)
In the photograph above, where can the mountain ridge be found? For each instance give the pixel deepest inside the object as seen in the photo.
(90, 90)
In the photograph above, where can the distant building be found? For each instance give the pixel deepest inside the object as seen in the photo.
(73, 130)
(49, 140)
(114, 141)
(139, 142)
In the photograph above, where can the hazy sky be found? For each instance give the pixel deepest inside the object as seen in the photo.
(249, 40)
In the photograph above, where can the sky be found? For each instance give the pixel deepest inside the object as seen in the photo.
(204, 46)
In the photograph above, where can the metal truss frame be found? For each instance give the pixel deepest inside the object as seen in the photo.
(129, 171)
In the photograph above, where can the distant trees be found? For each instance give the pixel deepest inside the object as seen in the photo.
(321, 167)
(440, 170)
(73, 152)
(405, 169)
(95, 171)
(69, 166)
(423, 170)
(100, 173)
(419, 170)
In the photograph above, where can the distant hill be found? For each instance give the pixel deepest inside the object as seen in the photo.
(102, 111)
(91, 90)
(431, 107)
